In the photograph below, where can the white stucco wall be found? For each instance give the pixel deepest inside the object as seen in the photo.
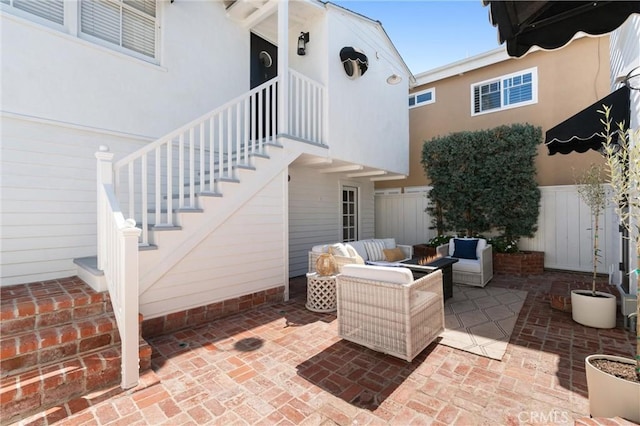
(368, 118)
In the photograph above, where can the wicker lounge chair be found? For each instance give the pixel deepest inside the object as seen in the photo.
(384, 309)
(476, 269)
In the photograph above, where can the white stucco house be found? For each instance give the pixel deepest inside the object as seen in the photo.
(236, 134)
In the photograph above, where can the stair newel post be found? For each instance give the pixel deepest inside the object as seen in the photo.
(129, 329)
(283, 67)
(104, 177)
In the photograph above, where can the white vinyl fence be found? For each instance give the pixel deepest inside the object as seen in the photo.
(564, 227)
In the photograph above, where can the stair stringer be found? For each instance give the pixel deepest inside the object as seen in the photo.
(173, 246)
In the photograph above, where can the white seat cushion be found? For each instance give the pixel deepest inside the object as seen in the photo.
(467, 265)
(395, 275)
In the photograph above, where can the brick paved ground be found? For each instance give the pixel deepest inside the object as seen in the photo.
(284, 365)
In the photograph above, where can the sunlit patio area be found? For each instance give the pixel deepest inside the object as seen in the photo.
(284, 365)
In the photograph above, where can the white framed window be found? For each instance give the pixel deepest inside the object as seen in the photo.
(423, 97)
(128, 26)
(349, 213)
(509, 91)
(49, 10)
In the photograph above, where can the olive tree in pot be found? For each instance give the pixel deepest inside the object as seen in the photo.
(613, 382)
(590, 307)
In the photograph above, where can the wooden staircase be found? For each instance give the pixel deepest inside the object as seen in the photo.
(58, 340)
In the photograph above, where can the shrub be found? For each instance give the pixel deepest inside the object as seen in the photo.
(485, 180)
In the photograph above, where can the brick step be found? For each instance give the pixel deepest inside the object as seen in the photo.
(21, 351)
(27, 307)
(43, 387)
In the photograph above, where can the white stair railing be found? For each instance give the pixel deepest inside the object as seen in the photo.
(306, 108)
(167, 174)
(118, 259)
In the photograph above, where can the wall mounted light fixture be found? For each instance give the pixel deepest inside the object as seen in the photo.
(394, 79)
(303, 39)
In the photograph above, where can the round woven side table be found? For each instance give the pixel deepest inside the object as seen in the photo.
(321, 292)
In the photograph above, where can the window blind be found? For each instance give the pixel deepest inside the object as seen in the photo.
(129, 23)
(53, 10)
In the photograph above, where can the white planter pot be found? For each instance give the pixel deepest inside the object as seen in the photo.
(598, 312)
(610, 396)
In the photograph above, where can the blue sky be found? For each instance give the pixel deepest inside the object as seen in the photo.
(429, 34)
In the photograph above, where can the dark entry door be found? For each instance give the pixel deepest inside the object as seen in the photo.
(264, 67)
(264, 60)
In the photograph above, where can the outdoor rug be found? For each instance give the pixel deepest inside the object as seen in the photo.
(480, 320)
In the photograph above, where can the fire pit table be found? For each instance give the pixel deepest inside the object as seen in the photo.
(442, 263)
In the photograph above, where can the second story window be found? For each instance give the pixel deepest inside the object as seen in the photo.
(126, 23)
(422, 98)
(51, 10)
(508, 91)
(128, 26)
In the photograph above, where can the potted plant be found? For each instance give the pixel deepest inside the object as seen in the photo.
(590, 307)
(613, 382)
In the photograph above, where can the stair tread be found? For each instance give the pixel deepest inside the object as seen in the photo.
(49, 344)
(43, 386)
(28, 306)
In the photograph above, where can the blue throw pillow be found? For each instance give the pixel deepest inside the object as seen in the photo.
(465, 249)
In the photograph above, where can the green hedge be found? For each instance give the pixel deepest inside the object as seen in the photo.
(484, 180)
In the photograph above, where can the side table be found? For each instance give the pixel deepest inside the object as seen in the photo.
(321, 292)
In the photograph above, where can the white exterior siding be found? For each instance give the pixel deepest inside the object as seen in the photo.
(315, 213)
(363, 125)
(64, 96)
(217, 269)
(48, 196)
(50, 74)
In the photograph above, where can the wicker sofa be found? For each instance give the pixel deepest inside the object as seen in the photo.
(356, 252)
(474, 269)
(385, 309)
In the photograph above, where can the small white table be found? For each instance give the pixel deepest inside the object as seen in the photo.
(321, 292)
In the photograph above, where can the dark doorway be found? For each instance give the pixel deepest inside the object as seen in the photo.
(264, 60)
(264, 67)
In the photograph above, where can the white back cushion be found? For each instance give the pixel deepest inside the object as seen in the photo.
(322, 248)
(375, 249)
(391, 274)
(359, 246)
(339, 249)
(389, 243)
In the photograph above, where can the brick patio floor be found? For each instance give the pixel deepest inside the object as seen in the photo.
(285, 365)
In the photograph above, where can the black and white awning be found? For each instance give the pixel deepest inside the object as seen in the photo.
(583, 131)
(552, 24)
